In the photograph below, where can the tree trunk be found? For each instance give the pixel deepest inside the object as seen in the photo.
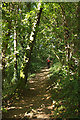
(15, 54)
(15, 44)
(32, 40)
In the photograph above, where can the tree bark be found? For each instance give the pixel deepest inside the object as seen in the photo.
(15, 54)
(32, 40)
(15, 44)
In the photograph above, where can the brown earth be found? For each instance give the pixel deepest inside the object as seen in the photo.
(36, 103)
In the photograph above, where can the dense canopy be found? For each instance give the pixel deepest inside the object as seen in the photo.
(33, 31)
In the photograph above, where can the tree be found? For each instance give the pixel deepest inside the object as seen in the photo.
(31, 33)
(32, 40)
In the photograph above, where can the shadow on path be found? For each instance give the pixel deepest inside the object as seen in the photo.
(36, 103)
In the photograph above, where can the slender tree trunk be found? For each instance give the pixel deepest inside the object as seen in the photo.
(15, 54)
(33, 39)
(15, 45)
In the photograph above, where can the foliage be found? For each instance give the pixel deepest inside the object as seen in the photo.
(31, 33)
(64, 92)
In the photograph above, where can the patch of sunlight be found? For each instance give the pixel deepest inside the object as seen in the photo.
(48, 97)
(14, 108)
(57, 85)
(50, 107)
(31, 38)
(31, 81)
(61, 108)
(32, 88)
(39, 109)
(28, 47)
(11, 108)
(19, 107)
(34, 111)
(42, 86)
(41, 74)
(48, 75)
(75, 35)
(15, 115)
(57, 113)
(22, 74)
(42, 98)
(31, 105)
(44, 116)
(48, 87)
(47, 70)
(20, 115)
(30, 115)
(43, 106)
(53, 103)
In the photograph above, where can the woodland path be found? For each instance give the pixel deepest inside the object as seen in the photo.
(36, 103)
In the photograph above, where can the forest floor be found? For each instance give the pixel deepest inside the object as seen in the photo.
(36, 102)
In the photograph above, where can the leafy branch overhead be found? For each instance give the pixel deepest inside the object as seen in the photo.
(34, 31)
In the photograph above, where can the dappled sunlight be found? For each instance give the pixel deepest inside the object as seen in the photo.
(9, 108)
(40, 59)
(43, 116)
(50, 107)
(32, 88)
(31, 81)
(46, 95)
(42, 74)
(36, 103)
(45, 70)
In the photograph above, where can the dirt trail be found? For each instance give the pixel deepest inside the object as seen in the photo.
(37, 101)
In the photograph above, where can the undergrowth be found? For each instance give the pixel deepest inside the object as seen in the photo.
(64, 92)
